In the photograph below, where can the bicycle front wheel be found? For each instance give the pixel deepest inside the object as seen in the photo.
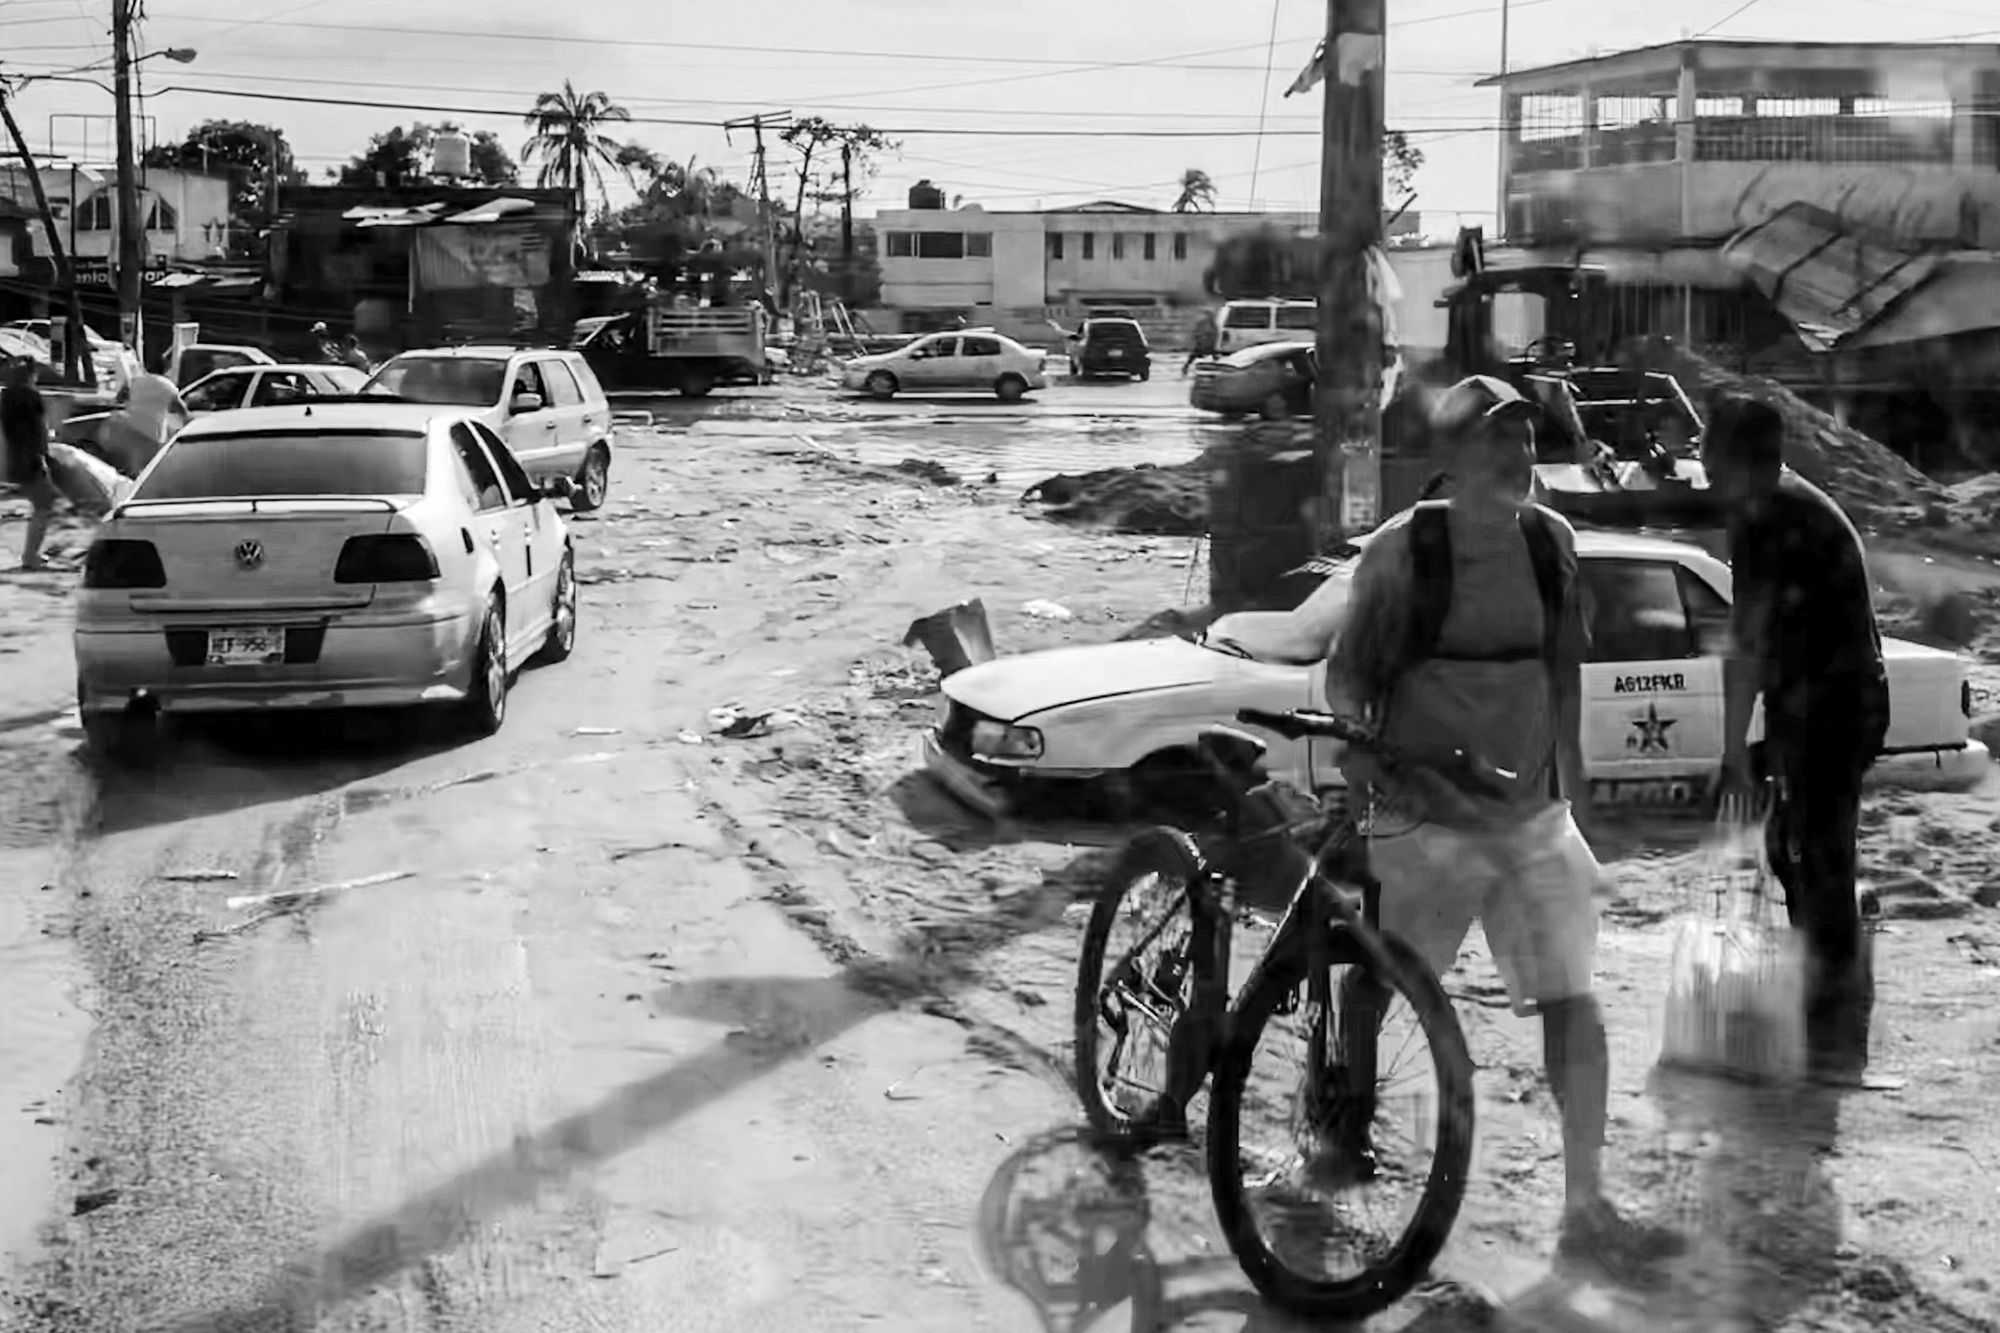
(1143, 953)
(1344, 1094)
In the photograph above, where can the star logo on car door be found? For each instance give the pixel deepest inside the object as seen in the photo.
(1649, 732)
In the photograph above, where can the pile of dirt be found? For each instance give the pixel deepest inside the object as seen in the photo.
(1871, 481)
(1169, 501)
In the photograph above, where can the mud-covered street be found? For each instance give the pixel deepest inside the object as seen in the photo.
(615, 1022)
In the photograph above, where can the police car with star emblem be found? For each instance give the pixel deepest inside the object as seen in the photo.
(1652, 714)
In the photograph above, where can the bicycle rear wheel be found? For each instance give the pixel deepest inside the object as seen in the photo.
(1286, 1208)
(1132, 991)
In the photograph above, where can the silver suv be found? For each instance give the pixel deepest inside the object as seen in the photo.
(546, 403)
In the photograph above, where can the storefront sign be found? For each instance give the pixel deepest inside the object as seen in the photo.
(456, 258)
(97, 271)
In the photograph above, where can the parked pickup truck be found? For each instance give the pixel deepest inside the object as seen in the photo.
(683, 349)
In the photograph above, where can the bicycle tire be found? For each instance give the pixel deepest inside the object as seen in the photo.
(1383, 1283)
(1172, 855)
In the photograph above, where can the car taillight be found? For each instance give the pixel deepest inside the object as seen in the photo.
(119, 562)
(395, 557)
(1965, 697)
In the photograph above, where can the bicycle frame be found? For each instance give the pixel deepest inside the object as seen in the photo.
(1317, 908)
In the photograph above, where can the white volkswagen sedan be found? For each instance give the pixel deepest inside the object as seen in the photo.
(976, 360)
(1652, 721)
(344, 554)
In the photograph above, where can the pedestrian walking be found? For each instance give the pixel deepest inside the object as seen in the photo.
(152, 413)
(1807, 641)
(25, 428)
(1203, 341)
(352, 354)
(1465, 632)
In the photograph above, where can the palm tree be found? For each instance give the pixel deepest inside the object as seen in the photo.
(1197, 192)
(570, 142)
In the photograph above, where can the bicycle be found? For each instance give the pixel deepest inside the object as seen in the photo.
(1329, 919)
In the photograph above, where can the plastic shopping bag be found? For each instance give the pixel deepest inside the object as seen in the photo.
(1736, 993)
(91, 484)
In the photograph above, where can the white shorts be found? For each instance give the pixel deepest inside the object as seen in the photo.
(1533, 886)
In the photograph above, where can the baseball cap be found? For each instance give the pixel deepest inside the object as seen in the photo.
(1481, 398)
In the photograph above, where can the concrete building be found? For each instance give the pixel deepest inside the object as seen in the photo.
(1693, 141)
(186, 212)
(1019, 270)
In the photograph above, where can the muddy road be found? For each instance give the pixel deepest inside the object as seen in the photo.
(613, 1022)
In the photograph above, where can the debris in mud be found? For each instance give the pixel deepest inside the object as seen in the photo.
(198, 876)
(935, 473)
(1046, 610)
(1919, 898)
(293, 896)
(956, 637)
(1164, 501)
(92, 1200)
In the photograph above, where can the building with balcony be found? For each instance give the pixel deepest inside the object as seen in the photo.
(1690, 142)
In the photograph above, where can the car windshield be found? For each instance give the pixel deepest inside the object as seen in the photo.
(459, 381)
(269, 463)
(345, 379)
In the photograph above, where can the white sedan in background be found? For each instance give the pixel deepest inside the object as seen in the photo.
(962, 360)
(322, 556)
(1652, 719)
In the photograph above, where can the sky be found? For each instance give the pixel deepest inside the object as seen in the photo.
(1015, 105)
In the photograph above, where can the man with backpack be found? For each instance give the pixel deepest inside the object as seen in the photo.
(1465, 631)
(1201, 342)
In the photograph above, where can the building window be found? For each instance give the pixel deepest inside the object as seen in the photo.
(1089, 245)
(1117, 245)
(1180, 245)
(163, 217)
(95, 213)
(900, 245)
(1055, 245)
(940, 245)
(979, 245)
(1149, 247)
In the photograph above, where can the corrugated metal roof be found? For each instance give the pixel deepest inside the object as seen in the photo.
(1830, 278)
(1963, 296)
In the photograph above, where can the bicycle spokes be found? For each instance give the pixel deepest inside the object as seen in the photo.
(1145, 992)
(1339, 1125)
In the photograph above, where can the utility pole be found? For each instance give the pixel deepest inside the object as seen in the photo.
(131, 233)
(76, 364)
(846, 220)
(761, 181)
(1347, 409)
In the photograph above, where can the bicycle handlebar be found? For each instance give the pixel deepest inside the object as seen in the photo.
(1462, 769)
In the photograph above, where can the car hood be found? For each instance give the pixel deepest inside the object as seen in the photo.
(1013, 688)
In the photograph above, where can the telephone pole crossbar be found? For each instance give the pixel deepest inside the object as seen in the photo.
(760, 182)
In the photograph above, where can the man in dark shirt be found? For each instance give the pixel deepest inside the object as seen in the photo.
(24, 426)
(1807, 641)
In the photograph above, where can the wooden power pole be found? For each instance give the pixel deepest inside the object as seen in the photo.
(131, 227)
(761, 183)
(76, 352)
(1347, 409)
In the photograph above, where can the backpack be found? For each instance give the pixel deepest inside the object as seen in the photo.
(1430, 567)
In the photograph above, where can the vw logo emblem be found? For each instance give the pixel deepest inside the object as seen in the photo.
(250, 553)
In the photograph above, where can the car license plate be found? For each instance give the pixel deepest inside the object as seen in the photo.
(1117, 354)
(246, 647)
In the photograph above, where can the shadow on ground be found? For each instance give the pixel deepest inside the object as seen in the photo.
(213, 766)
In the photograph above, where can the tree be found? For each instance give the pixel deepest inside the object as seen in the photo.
(570, 143)
(1197, 192)
(1266, 261)
(243, 151)
(1401, 161)
(682, 208)
(405, 154)
(831, 158)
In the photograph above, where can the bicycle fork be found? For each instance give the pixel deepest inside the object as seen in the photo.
(1197, 1034)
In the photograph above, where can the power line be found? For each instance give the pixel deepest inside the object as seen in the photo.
(895, 131)
(1741, 9)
